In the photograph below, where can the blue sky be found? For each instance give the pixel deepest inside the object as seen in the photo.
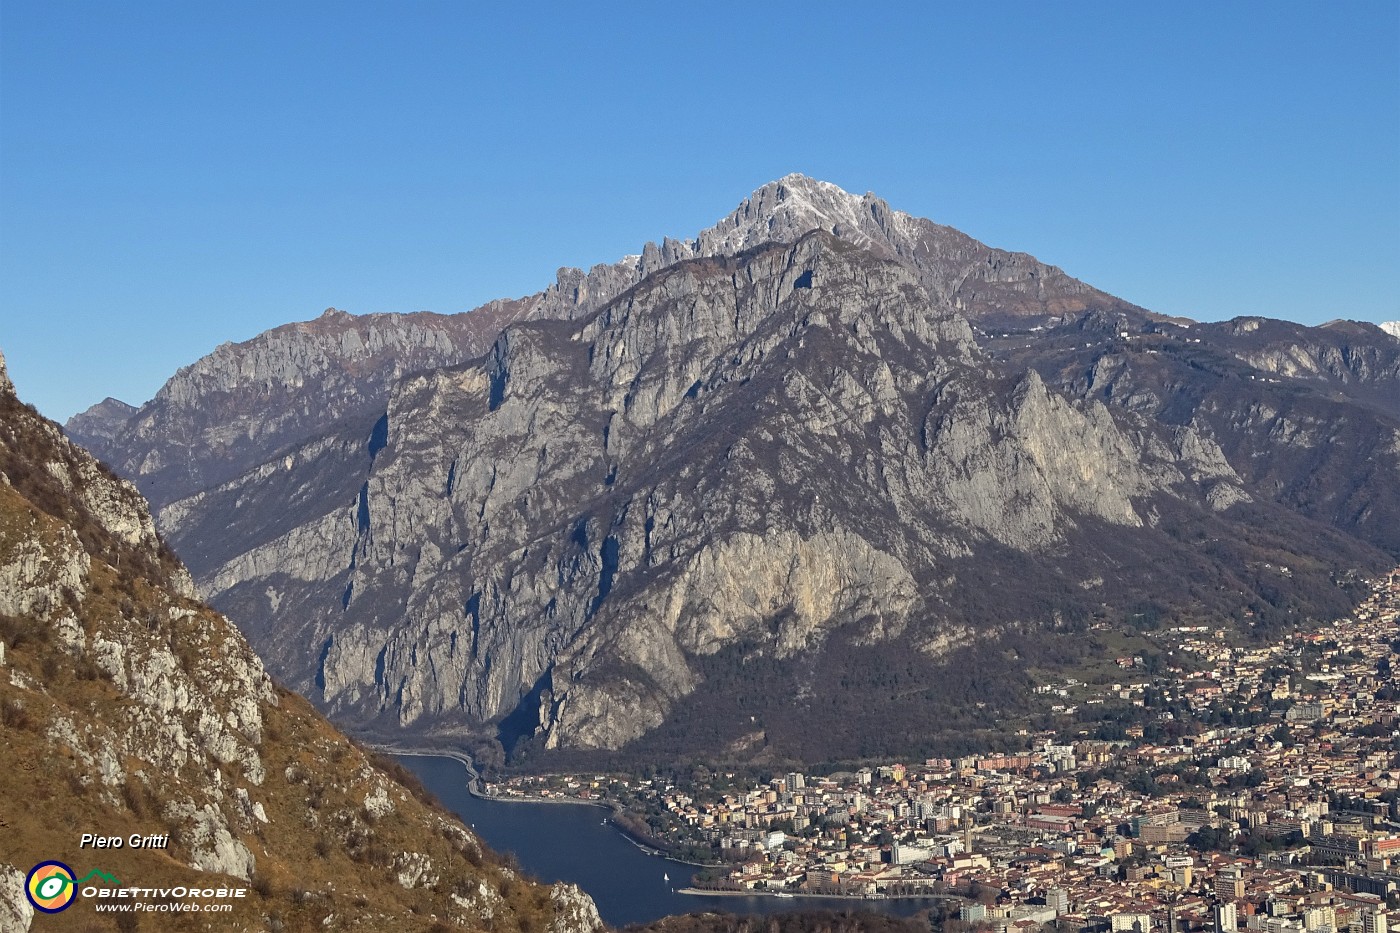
(174, 175)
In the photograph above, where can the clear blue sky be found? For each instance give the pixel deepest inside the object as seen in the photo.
(174, 175)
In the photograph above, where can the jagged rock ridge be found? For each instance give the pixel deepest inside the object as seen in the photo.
(990, 286)
(244, 403)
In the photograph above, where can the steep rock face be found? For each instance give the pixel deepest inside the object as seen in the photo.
(757, 454)
(1346, 357)
(151, 714)
(16, 913)
(1309, 416)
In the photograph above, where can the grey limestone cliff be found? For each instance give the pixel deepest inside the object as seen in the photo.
(761, 453)
(1309, 416)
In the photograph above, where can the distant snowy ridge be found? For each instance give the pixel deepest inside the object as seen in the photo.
(1392, 328)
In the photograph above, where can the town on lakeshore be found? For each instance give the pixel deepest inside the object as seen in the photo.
(1257, 787)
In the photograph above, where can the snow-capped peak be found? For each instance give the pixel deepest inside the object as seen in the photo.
(795, 204)
(781, 211)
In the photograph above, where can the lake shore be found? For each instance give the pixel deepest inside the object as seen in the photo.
(525, 798)
(475, 782)
(574, 844)
(796, 895)
(473, 778)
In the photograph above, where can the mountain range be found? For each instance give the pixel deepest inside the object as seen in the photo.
(826, 480)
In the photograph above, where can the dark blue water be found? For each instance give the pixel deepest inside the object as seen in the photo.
(563, 842)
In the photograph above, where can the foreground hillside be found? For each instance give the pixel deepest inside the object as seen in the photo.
(127, 707)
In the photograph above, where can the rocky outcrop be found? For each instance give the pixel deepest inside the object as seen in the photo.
(16, 913)
(125, 700)
(40, 572)
(1308, 417)
(574, 911)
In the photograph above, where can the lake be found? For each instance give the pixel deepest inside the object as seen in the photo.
(570, 842)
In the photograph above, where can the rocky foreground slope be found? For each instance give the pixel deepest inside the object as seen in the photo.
(128, 707)
(825, 480)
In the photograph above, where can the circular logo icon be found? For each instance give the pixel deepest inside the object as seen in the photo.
(50, 887)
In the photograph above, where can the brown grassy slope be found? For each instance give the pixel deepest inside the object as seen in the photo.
(126, 707)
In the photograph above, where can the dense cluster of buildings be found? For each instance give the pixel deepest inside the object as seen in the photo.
(1272, 805)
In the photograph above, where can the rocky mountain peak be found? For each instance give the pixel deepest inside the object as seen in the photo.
(955, 269)
(102, 420)
(6, 386)
(783, 210)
